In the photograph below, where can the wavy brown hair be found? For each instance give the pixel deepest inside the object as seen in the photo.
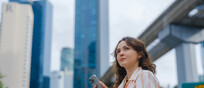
(144, 62)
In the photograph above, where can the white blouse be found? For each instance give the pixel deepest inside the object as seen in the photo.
(140, 79)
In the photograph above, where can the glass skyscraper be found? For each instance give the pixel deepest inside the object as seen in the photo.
(67, 59)
(41, 46)
(91, 41)
(41, 50)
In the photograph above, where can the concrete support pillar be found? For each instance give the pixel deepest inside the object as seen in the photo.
(183, 38)
(186, 63)
(202, 59)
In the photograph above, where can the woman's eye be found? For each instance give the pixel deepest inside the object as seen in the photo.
(126, 48)
(118, 51)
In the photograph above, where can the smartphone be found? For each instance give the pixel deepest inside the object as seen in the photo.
(94, 81)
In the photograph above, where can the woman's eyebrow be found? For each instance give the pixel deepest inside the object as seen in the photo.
(122, 47)
(125, 46)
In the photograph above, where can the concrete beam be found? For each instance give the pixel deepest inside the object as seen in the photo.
(176, 12)
(159, 50)
(108, 78)
(174, 35)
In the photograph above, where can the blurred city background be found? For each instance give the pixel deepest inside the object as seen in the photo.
(61, 43)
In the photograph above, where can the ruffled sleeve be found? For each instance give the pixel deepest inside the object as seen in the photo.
(147, 79)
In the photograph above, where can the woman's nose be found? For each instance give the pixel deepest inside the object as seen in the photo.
(121, 53)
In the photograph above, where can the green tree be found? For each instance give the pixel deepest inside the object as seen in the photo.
(1, 84)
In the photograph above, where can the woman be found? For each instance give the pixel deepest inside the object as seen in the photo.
(134, 68)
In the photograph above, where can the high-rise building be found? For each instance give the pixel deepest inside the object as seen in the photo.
(61, 79)
(57, 79)
(91, 41)
(68, 78)
(67, 58)
(16, 44)
(41, 47)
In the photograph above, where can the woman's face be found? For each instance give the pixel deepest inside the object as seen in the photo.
(126, 55)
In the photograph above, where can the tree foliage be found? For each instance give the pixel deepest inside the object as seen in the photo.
(1, 84)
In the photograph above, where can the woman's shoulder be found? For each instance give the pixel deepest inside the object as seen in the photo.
(148, 75)
(147, 78)
(147, 72)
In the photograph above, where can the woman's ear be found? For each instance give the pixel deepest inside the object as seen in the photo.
(139, 55)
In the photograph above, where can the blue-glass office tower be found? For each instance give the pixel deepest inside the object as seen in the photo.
(91, 41)
(41, 46)
(67, 59)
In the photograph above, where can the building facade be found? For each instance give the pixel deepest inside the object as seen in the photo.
(42, 36)
(61, 79)
(68, 78)
(16, 44)
(41, 47)
(57, 79)
(67, 59)
(91, 41)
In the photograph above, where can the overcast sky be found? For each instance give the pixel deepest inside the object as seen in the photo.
(126, 18)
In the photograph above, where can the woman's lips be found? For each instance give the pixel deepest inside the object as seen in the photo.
(122, 59)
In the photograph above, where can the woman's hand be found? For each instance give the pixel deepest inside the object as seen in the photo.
(102, 84)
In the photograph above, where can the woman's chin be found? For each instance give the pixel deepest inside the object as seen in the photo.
(123, 65)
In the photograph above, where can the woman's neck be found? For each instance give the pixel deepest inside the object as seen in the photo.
(130, 71)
